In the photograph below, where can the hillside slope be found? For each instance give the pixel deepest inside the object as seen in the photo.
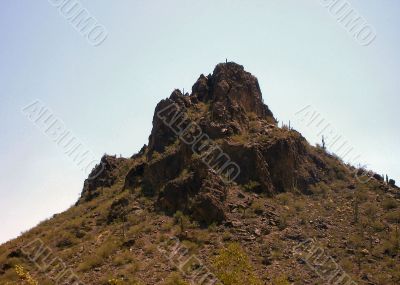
(221, 195)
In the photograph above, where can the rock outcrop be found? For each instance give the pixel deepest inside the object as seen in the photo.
(103, 175)
(200, 140)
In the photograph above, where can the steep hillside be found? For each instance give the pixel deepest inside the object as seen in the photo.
(220, 195)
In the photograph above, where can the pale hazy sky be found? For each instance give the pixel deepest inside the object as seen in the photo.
(106, 95)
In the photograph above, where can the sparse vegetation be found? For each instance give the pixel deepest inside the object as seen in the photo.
(182, 221)
(233, 266)
(115, 281)
(25, 276)
(175, 279)
(240, 138)
(252, 186)
(102, 253)
(282, 280)
(320, 189)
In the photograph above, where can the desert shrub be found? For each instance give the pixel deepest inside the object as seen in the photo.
(360, 196)
(388, 248)
(283, 221)
(175, 279)
(371, 211)
(299, 205)
(182, 221)
(258, 207)
(252, 186)
(172, 147)
(319, 189)
(254, 126)
(389, 204)
(276, 250)
(303, 218)
(124, 257)
(393, 217)
(190, 246)
(90, 263)
(227, 236)
(202, 236)
(212, 227)
(167, 226)
(282, 280)
(347, 264)
(25, 276)
(66, 239)
(340, 172)
(102, 253)
(141, 242)
(377, 226)
(252, 116)
(357, 241)
(135, 230)
(284, 198)
(150, 248)
(13, 261)
(232, 266)
(240, 138)
(107, 248)
(391, 247)
(374, 185)
(111, 280)
(184, 174)
(115, 281)
(156, 155)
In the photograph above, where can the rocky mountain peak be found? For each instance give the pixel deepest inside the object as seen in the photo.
(209, 144)
(230, 88)
(222, 103)
(219, 131)
(177, 199)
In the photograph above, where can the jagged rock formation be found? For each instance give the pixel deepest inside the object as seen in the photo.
(228, 108)
(103, 175)
(217, 156)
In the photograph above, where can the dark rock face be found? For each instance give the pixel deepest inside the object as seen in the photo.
(392, 182)
(232, 94)
(176, 194)
(106, 174)
(378, 177)
(199, 193)
(226, 107)
(134, 176)
(238, 90)
(140, 153)
(278, 165)
(201, 89)
(160, 171)
(162, 135)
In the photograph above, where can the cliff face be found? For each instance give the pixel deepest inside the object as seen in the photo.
(232, 190)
